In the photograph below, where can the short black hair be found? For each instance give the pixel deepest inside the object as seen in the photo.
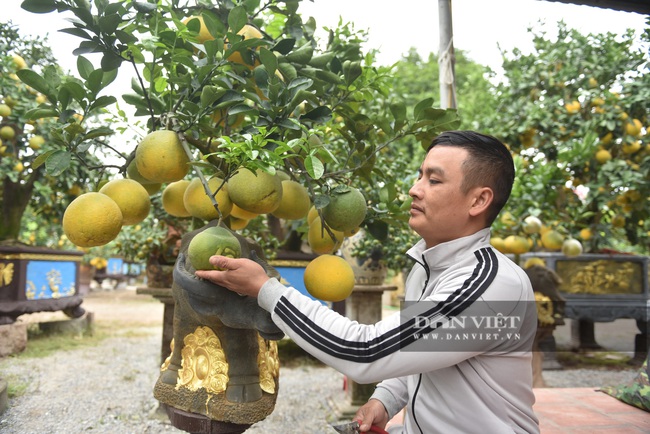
(490, 164)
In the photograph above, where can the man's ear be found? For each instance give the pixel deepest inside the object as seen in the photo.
(481, 200)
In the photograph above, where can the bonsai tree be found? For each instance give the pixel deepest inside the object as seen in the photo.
(244, 88)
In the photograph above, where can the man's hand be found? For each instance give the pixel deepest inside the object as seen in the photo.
(241, 275)
(372, 412)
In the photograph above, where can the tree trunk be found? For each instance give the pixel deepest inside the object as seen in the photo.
(15, 198)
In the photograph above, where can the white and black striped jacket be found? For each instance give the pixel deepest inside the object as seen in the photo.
(457, 355)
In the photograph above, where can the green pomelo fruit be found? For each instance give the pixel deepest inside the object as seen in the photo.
(212, 241)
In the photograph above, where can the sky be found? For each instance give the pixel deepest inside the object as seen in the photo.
(479, 26)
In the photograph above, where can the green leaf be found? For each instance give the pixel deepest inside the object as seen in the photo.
(351, 71)
(110, 61)
(302, 55)
(237, 18)
(45, 112)
(322, 61)
(86, 47)
(378, 229)
(269, 60)
(328, 76)
(57, 162)
(74, 31)
(320, 114)
(103, 101)
(94, 81)
(284, 46)
(210, 95)
(98, 132)
(39, 6)
(419, 108)
(76, 90)
(144, 7)
(41, 158)
(34, 80)
(314, 167)
(109, 23)
(85, 67)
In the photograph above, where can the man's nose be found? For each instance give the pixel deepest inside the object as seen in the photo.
(414, 191)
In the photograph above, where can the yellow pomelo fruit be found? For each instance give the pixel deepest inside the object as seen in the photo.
(516, 244)
(606, 139)
(19, 61)
(203, 35)
(247, 32)
(631, 148)
(5, 110)
(532, 225)
(7, 133)
(552, 240)
(172, 198)
(633, 127)
(295, 201)
(160, 157)
(92, 219)
(572, 107)
(571, 247)
(499, 244)
(131, 197)
(586, 234)
(312, 214)
(199, 205)
(35, 142)
(346, 210)
(531, 262)
(237, 224)
(257, 192)
(242, 214)
(319, 239)
(603, 156)
(133, 173)
(508, 219)
(215, 240)
(329, 278)
(351, 232)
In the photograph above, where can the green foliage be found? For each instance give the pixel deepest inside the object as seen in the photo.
(324, 115)
(30, 186)
(561, 104)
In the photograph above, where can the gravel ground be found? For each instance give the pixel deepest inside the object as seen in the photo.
(108, 388)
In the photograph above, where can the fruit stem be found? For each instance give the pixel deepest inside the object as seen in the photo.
(198, 172)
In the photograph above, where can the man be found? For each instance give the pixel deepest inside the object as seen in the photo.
(468, 377)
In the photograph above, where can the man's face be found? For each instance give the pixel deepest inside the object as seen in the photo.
(440, 210)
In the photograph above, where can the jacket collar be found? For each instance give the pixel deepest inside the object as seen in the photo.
(445, 254)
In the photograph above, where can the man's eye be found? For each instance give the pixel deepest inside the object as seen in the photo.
(434, 181)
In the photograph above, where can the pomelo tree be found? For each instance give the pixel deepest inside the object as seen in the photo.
(575, 113)
(30, 186)
(244, 85)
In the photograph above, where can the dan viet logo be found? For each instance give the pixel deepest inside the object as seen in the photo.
(481, 327)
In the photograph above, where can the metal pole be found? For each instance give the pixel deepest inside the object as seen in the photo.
(446, 57)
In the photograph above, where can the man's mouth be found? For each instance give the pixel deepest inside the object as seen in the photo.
(416, 209)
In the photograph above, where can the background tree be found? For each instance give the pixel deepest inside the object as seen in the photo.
(575, 112)
(30, 188)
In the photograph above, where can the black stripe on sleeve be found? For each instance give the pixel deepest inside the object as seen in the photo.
(365, 351)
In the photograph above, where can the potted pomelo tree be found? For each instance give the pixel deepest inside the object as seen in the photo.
(238, 113)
